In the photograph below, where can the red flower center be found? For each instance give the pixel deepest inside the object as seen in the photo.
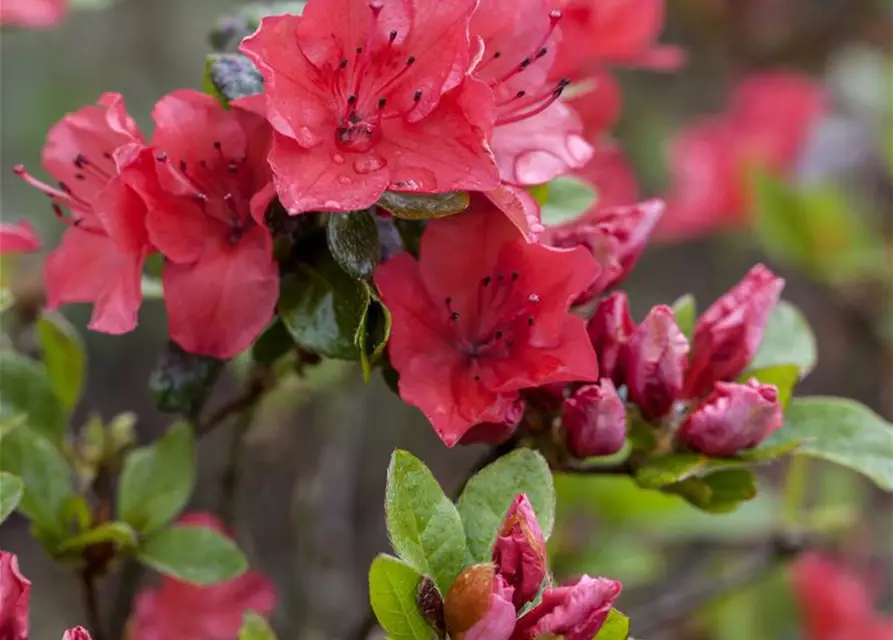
(505, 317)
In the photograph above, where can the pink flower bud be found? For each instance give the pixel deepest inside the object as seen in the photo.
(610, 330)
(594, 419)
(728, 334)
(15, 592)
(520, 551)
(575, 612)
(732, 418)
(616, 238)
(656, 363)
(479, 605)
(77, 633)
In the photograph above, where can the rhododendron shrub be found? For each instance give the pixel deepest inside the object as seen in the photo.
(425, 189)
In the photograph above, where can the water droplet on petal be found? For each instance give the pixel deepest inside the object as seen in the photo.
(415, 179)
(368, 164)
(344, 180)
(337, 158)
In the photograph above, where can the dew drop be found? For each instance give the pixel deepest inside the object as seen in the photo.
(344, 180)
(368, 164)
(337, 158)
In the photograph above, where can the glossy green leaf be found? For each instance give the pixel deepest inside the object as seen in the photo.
(193, 554)
(719, 492)
(11, 490)
(45, 475)
(273, 343)
(157, 480)
(569, 198)
(254, 627)
(121, 534)
(784, 376)
(229, 76)
(181, 381)
(63, 356)
(616, 627)
(685, 310)
(25, 388)
(788, 340)
(424, 206)
(423, 524)
(353, 241)
(324, 308)
(393, 592)
(842, 431)
(490, 492)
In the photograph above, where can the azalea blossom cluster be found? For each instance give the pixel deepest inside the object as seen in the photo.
(172, 610)
(485, 601)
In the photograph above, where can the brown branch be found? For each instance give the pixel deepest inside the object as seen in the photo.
(91, 604)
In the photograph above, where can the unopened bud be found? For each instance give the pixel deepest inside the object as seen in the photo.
(594, 420)
(610, 330)
(656, 363)
(520, 551)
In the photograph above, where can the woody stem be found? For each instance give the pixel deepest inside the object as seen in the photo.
(91, 604)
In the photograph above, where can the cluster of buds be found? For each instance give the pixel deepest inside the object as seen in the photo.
(485, 600)
(690, 390)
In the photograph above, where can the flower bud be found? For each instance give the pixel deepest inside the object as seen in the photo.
(728, 334)
(77, 633)
(479, 605)
(616, 238)
(732, 418)
(574, 612)
(15, 593)
(610, 329)
(656, 363)
(520, 552)
(594, 420)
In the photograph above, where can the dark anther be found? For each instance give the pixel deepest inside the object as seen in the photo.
(498, 334)
(106, 155)
(497, 54)
(382, 102)
(530, 321)
(217, 145)
(342, 64)
(542, 52)
(203, 164)
(64, 187)
(410, 60)
(80, 161)
(486, 281)
(449, 300)
(354, 118)
(392, 36)
(80, 176)
(161, 156)
(500, 277)
(351, 99)
(359, 50)
(57, 211)
(525, 63)
(183, 165)
(77, 222)
(454, 315)
(515, 275)
(477, 378)
(233, 167)
(521, 94)
(417, 95)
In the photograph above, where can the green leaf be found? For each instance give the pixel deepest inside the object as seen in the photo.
(157, 480)
(685, 311)
(424, 206)
(181, 381)
(569, 198)
(45, 475)
(324, 308)
(489, 494)
(842, 431)
(193, 554)
(616, 627)
(353, 241)
(254, 627)
(63, 356)
(784, 376)
(229, 76)
(11, 490)
(423, 524)
(393, 592)
(121, 534)
(719, 492)
(788, 339)
(272, 344)
(25, 388)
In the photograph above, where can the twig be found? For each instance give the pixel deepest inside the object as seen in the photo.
(229, 481)
(131, 576)
(91, 604)
(255, 392)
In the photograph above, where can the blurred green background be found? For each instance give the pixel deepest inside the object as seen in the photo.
(309, 511)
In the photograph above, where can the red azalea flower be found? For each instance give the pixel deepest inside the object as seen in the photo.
(835, 602)
(482, 315)
(15, 593)
(76, 633)
(575, 612)
(536, 137)
(100, 259)
(18, 238)
(768, 121)
(33, 14)
(208, 191)
(180, 611)
(598, 104)
(357, 93)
